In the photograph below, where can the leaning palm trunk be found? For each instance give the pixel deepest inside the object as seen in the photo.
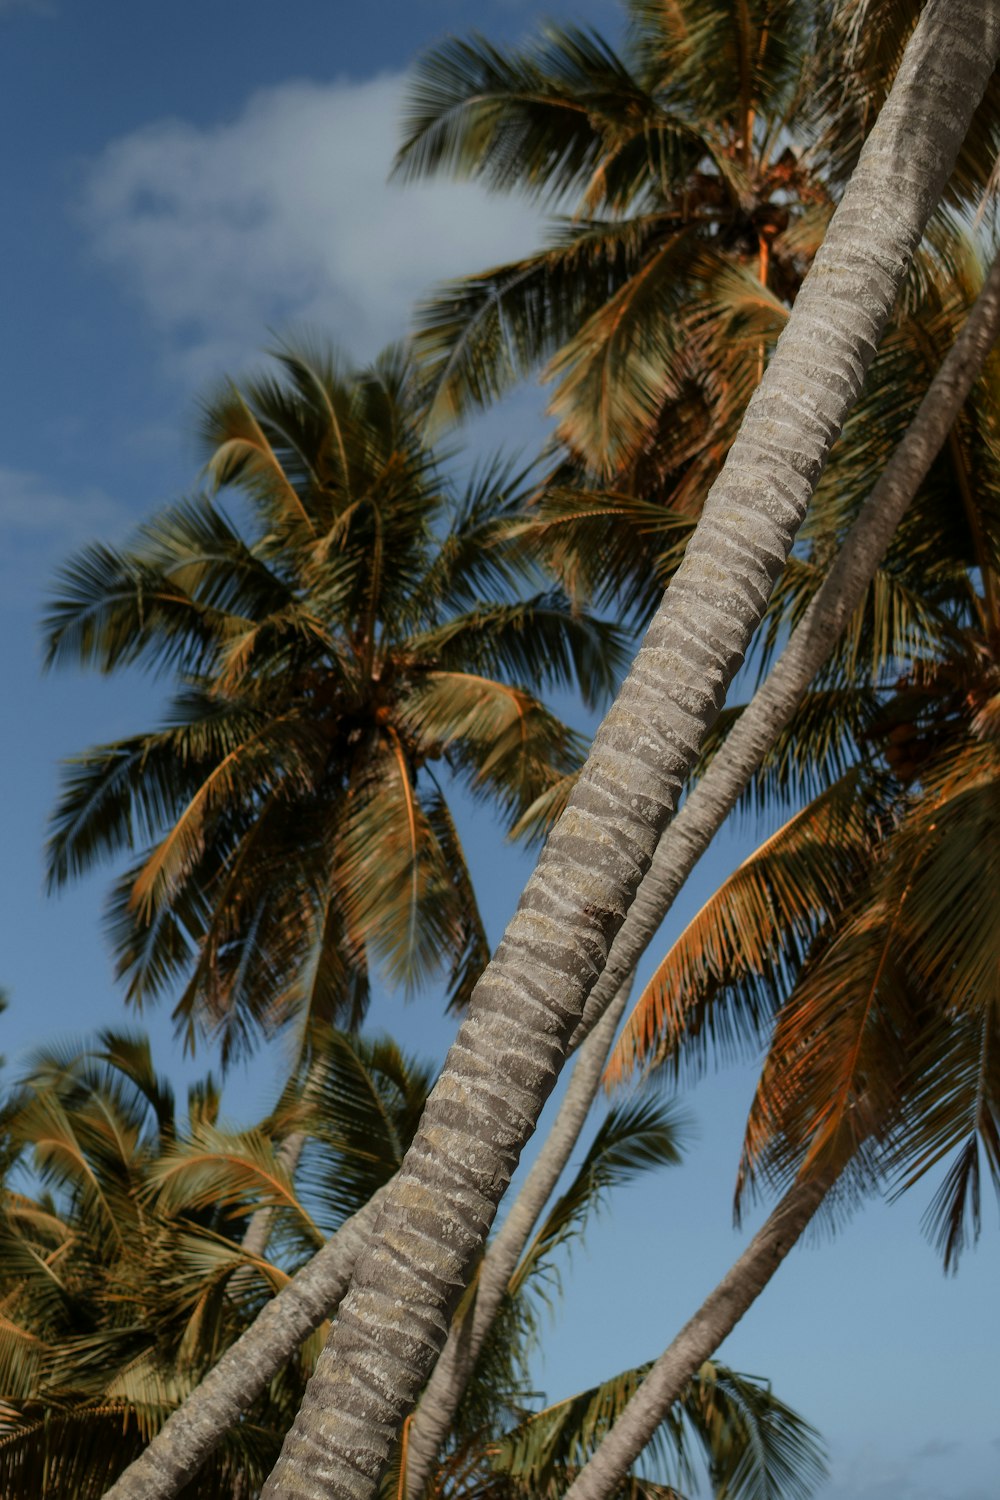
(508, 1052)
(707, 807)
(158, 1476)
(194, 1431)
(439, 1402)
(756, 731)
(700, 1337)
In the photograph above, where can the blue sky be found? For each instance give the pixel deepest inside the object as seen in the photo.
(180, 184)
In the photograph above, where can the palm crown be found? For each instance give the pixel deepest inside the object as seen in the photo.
(357, 632)
(701, 165)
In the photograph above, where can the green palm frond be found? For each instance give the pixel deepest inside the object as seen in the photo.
(717, 51)
(361, 1106)
(482, 556)
(475, 337)
(947, 850)
(638, 1136)
(216, 1169)
(952, 1114)
(613, 375)
(512, 118)
(757, 1447)
(714, 993)
(505, 744)
(184, 587)
(540, 816)
(606, 546)
(81, 1451)
(536, 640)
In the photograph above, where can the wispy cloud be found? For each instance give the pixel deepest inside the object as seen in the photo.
(283, 217)
(874, 1474)
(40, 525)
(39, 7)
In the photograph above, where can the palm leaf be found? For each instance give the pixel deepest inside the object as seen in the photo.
(714, 990)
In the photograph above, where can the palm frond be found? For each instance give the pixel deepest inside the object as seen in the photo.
(526, 119)
(757, 1447)
(613, 375)
(361, 1106)
(639, 1136)
(714, 993)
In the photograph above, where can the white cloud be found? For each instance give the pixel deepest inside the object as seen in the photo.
(283, 218)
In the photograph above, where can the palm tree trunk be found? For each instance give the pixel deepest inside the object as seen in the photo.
(692, 830)
(841, 592)
(508, 1052)
(682, 844)
(195, 1430)
(433, 1416)
(709, 804)
(700, 1337)
(258, 1230)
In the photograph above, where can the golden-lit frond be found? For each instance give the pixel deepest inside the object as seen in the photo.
(713, 988)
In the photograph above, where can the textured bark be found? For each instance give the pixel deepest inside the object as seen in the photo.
(508, 1051)
(432, 1419)
(195, 1430)
(699, 1338)
(841, 592)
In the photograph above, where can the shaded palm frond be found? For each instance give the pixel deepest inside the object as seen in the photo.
(529, 119)
(361, 1106)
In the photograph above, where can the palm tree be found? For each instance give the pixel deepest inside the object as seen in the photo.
(883, 1063)
(509, 1050)
(303, 1304)
(701, 166)
(113, 1282)
(864, 924)
(680, 160)
(116, 1281)
(348, 643)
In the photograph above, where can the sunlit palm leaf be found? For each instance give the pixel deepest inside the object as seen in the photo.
(713, 994)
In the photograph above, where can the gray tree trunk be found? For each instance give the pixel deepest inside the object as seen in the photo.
(687, 837)
(699, 1338)
(841, 592)
(507, 1055)
(195, 1430)
(439, 1402)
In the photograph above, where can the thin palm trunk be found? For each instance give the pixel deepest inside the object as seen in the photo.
(258, 1231)
(841, 592)
(700, 1337)
(444, 1391)
(508, 1052)
(195, 1430)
